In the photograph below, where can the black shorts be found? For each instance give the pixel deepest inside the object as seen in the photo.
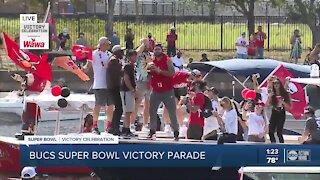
(113, 96)
(178, 92)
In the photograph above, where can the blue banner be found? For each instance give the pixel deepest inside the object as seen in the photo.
(169, 155)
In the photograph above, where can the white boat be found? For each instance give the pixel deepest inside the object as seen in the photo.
(11, 108)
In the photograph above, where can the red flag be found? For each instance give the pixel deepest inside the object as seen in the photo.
(297, 94)
(52, 27)
(82, 52)
(28, 61)
(66, 63)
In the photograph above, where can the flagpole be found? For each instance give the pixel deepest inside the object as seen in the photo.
(271, 74)
(47, 13)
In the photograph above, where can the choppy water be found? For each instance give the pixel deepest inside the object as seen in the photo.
(9, 128)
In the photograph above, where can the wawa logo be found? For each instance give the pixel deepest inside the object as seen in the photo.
(33, 44)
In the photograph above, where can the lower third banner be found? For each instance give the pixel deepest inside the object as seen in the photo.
(169, 155)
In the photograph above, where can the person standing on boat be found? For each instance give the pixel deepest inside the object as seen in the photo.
(280, 101)
(128, 91)
(114, 75)
(162, 72)
(311, 134)
(99, 65)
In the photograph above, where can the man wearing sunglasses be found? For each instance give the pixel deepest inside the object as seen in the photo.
(311, 134)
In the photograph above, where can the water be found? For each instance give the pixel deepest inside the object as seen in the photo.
(9, 128)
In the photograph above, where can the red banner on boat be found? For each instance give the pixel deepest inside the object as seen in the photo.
(28, 61)
(296, 91)
(82, 52)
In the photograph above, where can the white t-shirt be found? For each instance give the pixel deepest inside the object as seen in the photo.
(241, 49)
(99, 65)
(256, 124)
(230, 119)
(177, 62)
(211, 123)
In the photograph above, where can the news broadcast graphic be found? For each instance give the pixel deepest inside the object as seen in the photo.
(33, 35)
(135, 154)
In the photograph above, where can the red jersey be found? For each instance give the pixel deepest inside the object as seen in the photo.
(260, 39)
(38, 85)
(172, 39)
(180, 79)
(161, 83)
(196, 118)
(252, 47)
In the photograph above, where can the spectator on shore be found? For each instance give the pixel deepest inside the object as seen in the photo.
(260, 36)
(128, 38)
(204, 58)
(242, 46)
(314, 55)
(152, 42)
(17, 39)
(171, 40)
(81, 40)
(296, 48)
(178, 61)
(252, 47)
(311, 134)
(63, 37)
(28, 173)
(115, 40)
(190, 61)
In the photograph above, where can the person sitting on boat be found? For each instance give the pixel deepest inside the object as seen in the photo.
(228, 122)
(195, 104)
(311, 134)
(28, 173)
(88, 123)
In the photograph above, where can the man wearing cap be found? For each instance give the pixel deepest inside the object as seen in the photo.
(114, 74)
(311, 134)
(242, 46)
(28, 173)
(99, 65)
(162, 72)
(128, 91)
(171, 40)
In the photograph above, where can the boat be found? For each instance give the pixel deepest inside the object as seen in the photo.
(11, 108)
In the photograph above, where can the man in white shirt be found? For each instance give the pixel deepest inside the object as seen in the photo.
(242, 46)
(178, 61)
(99, 65)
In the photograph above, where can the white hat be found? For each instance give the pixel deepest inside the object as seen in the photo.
(117, 48)
(28, 172)
(65, 31)
(195, 72)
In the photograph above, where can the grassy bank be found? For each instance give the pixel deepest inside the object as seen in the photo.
(191, 35)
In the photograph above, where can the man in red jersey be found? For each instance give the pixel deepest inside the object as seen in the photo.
(161, 74)
(260, 37)
(171, 40)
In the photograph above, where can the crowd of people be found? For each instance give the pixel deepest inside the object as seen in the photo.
(149, 76)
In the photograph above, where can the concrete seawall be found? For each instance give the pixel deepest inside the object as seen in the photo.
(74, 83)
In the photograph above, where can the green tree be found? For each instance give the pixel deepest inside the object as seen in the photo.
(306, 12)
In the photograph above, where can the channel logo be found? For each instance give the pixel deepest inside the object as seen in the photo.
(298, 155)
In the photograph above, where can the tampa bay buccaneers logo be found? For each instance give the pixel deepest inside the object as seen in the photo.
(24, 59)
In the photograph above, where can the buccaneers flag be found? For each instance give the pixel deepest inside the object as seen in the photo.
(28, 61)
(82, 52)
(297, 94)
